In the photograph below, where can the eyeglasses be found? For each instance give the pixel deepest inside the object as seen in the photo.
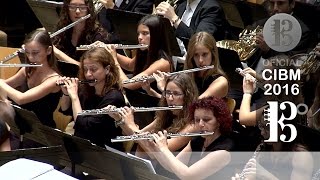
(82, 8)
(174, 94)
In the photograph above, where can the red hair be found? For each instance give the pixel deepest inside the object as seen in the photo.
(219, 109)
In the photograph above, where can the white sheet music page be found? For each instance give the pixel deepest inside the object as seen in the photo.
(146, 161)
(24, 169)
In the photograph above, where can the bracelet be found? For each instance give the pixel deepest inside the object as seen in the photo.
(247, 93)
(119, 123)
(65, 94)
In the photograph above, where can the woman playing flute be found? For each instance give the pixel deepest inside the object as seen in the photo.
(179, 90)
(147, 61)
(37, 85)
(202, 51)
(204, 157)
(95, 64)
(85, 32)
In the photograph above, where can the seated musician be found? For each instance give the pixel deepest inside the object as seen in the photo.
(179, 90)
(313, 116)
(147, 61)
(202, 51)
(83, 33)
(95, 64)
(193, 16)
(37, 85)
(140, 6)
(204, 157)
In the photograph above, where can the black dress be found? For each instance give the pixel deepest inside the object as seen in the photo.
(203, 84)
(221, 143)
(100, 129)
(43, 107)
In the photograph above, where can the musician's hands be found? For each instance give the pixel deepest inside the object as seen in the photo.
(70, 85)
(248, 85)
(108, 4)
(261, 44)
(127, 115)
(160, 141)
(146, 85)
(115, 115)
(166, 10)
(253, 73)
(161, 78)
(112, 50)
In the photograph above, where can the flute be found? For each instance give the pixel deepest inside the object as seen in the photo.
(169, 74)
(80, 82)
(135, 109)
(254, 156)
(240, 71)
(116, 46)
(136, 137)
(21, 50)
(20, 65)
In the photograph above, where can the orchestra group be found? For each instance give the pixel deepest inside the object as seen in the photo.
(70, 81)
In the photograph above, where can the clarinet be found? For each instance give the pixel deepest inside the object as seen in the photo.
(254, 156)
(136, 137)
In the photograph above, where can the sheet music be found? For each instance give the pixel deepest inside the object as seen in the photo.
(116, 151)
(147, 162)
(24, 169)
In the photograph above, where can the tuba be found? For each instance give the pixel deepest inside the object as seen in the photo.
(245, 46)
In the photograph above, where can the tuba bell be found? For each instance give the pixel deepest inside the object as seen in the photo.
(245, 46)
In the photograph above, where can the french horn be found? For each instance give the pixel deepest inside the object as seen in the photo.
(245, 46)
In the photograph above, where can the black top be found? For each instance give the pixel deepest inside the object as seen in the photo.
(221, 143)
(43, 107)
(203, 84)
(208, 16)
(100, 129)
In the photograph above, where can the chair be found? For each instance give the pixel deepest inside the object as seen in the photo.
(231, 104)
(3, 39)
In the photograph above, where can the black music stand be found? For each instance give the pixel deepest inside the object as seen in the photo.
(126, 23)
(28, 124)
(47, 12)
(43, 154)
(97, 161)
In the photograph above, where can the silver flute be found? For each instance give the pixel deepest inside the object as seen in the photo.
(20, 65)
(80, 82)
(240, 71)
(136, 137)
(140, 79)
(116, 46)
(21, 50)
(254, 156)
(135, 109)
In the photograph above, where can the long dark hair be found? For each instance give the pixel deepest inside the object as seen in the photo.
(158, 47)
(165, 118)
(104, 58)
(43, 38)
(91, 28)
